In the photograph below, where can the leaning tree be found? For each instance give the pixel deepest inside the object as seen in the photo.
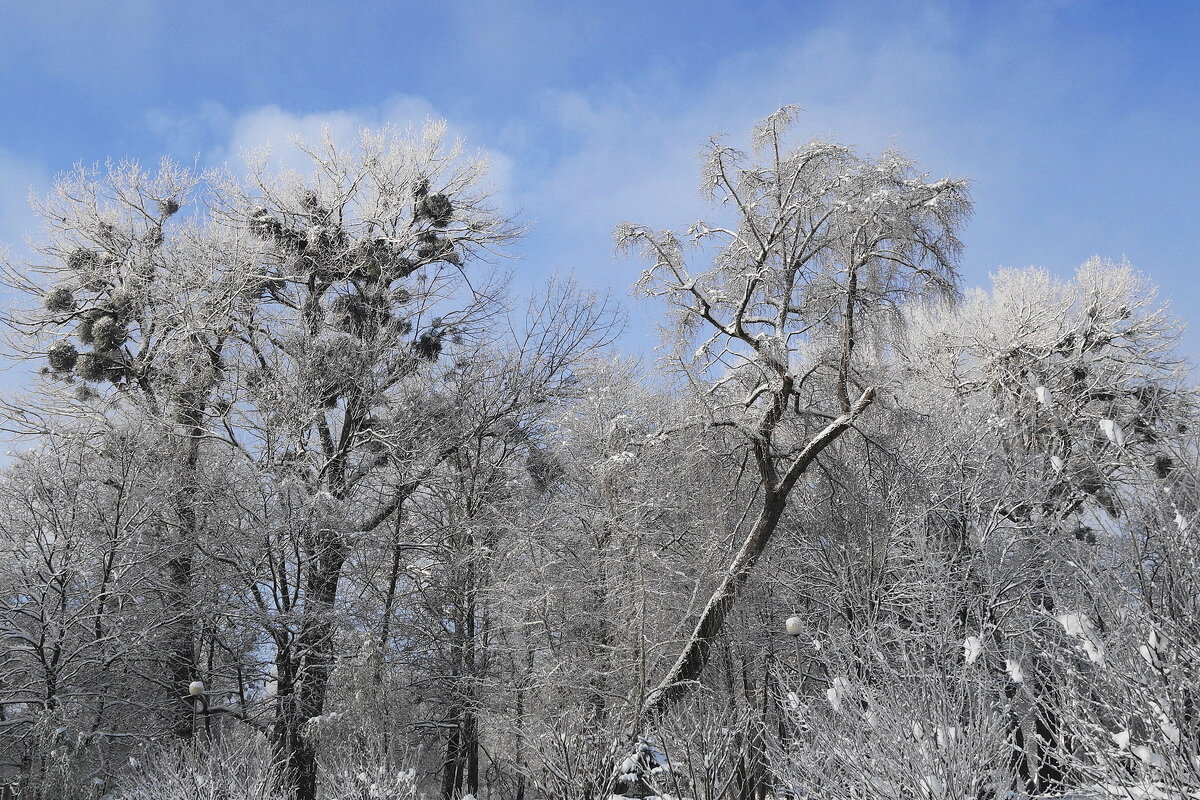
(817, 245)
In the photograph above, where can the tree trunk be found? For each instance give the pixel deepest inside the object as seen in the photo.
(692, 660)
(848, 341)
(461, 760)
(471, 751)
(314, 660)
(523, 688)
(180, 656)
(470, 733)
(181, 636)
(452, 762)
(390, 598)
(694, 657)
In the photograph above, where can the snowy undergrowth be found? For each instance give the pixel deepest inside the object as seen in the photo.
(237, 766)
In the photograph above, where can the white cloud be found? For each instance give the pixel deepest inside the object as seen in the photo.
(273, 128)
(189, 136)
(221, 137)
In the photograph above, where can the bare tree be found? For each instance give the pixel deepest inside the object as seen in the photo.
(1059, 405)
(130, 317)
(353, 283)
(78, 552)
(820, 240)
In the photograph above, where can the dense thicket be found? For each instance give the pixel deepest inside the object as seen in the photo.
(312, 507)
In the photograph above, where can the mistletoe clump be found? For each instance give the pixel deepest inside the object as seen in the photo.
(99, 366)
(104, 328)
(153, 238)
(62, 356)
(265, 226)
(361, 315)
(436, 208)
(90, 268)
(107, 333)
(81, 258)
(60, 300)
(84, 331)
(428, 345)
(312, 204)
(431, 247)
(381, 259)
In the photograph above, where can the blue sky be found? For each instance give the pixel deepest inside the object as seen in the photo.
(1077, 122)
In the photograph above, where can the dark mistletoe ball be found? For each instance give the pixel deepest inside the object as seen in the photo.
(62, 356)
(59, 299)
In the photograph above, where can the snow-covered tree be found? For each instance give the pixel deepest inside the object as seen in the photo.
(354, 288)
(129, 314)
(822, 242)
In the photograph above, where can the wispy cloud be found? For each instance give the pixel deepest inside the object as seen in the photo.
(630, 152)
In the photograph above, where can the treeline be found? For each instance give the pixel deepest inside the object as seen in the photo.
(310, 505)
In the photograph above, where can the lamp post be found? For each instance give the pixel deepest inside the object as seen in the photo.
(795, 627)
(196, 694)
